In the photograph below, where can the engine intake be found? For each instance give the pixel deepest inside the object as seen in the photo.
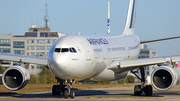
(15, 77)
(164, 78)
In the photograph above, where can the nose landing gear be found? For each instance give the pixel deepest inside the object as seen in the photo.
(68, 91)
(63, 88)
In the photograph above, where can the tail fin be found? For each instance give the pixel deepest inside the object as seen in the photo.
(130, 22)
(108, 21)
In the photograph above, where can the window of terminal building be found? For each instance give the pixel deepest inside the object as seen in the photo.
(143, 57)
(5, 50)
(40, 47)
(32, 54)
(32, 47)
(53, 40)
(18, 44)
(32, 66)
(40, 54)
(40, 41)
(27, 41)
(48, 47)
(32, 41)
(5, 62)
(18, 52)
(154, 53)
(31, 34)
(27, 47)
(48, 40)
(52, 34)
(5, 42)
(27, 53)
(43, 34)
(144, 52)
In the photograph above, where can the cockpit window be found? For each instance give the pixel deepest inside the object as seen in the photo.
(64, 49)
(72, 50)
(57, 50)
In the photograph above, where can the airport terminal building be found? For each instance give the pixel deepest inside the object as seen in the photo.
(31, 43)
(36, 42)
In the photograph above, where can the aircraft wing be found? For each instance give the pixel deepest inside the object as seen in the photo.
(147, 41)
(135, 63)
(24, 58)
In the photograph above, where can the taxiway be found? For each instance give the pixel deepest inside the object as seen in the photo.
(108, 94)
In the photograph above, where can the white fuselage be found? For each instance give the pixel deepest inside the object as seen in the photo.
(89, 61)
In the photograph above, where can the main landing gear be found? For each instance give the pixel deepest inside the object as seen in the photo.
(63, 88)
(139, 89)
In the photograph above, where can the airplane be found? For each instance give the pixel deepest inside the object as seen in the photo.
(95, 58)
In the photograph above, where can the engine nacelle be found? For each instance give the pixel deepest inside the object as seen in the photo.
(164, 78)
(15, 77)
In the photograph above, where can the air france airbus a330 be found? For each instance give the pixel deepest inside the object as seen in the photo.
(95, 58)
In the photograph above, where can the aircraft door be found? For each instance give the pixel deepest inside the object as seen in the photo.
(127, 56)
(88, 56)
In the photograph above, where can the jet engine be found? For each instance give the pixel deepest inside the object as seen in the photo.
(164, 78)
(15, 77)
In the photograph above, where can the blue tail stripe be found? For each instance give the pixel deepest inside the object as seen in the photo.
(132, 15)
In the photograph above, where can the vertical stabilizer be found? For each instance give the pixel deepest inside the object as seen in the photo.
(130, 22)
(108, 21)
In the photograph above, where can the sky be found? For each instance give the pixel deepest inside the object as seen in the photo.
(154, 19)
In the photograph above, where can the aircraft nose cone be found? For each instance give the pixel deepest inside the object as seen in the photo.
(61, 64)
(58, 60)
(65, 68)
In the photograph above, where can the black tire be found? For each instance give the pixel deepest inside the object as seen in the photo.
(148, 90)
(72, 94)
(55, 90)
(65, 93)
(137, 90)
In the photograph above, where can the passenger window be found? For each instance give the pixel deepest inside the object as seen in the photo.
(64, 50)
(57, 49)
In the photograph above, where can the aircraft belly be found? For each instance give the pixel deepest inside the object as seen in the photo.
(109, 75)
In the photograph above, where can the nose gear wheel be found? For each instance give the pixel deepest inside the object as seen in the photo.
(62, 88)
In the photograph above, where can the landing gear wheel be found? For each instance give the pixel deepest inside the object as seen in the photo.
(148, 90)
(65, 93)
(72, 94)
(55, 90)
(137, 90)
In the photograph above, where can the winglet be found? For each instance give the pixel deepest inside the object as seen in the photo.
(130, 22)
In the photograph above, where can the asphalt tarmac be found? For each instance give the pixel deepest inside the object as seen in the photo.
(108, 94)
